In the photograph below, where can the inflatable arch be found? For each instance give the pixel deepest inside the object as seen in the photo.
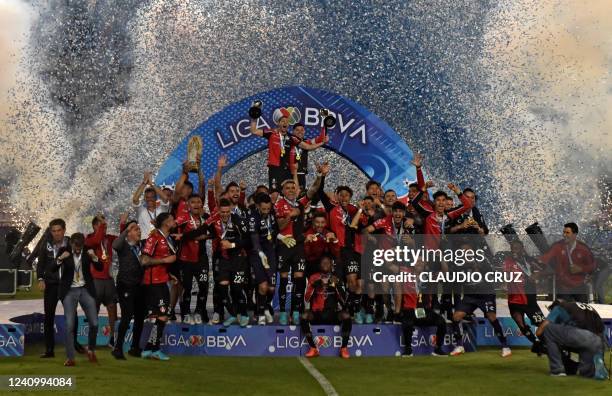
(360, 136)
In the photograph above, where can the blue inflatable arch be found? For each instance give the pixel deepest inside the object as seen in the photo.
(360, 136)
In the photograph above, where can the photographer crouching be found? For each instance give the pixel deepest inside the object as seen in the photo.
(574, 327)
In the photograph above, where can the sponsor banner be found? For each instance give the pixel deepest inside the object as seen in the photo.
(485, 335)
(11, 339)
(366, 340)
(359, 135)
(180, 339)
(383, 340)
(253, 341)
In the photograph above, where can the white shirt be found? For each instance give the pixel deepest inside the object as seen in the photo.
(145, 217)
(77, 278)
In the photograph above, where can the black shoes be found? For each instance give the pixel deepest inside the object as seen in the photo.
(79, 348)
(47, 355)
(135, 352)
(118, 354)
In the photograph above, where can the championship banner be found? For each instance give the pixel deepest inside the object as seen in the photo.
(358, 135)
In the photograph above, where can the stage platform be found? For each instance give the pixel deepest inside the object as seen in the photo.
(21, 323)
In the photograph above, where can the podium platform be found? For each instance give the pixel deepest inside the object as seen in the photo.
(21, 324)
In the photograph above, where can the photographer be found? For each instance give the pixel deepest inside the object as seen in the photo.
(578, 328)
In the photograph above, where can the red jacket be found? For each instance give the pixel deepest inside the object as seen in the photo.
(516, 291)
(322, 295)
(102, 245)
(157, 246)
(339, 223)
(314, 250)
(581, 257)
(433, 229)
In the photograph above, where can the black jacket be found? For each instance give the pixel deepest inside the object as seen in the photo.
(130, 271)
(47, 266)
(477, 216)
(67, 273)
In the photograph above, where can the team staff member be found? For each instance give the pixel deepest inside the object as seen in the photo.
(263, 230)
(522, 296)
(230, 234)
(417, 310)
(193, 261)
(157, 255)
(48, 281)
(147, 212)
(290, 218)
(76, 286)
(106, 293)
(327, 299)
(574, 262)
(132, 298)
(575, 326)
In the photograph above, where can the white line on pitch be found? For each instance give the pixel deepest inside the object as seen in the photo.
(328, 388)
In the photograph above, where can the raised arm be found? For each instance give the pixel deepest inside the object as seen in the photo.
(201, 184)
(316, 187)
(221, 163)
(120, 241)
(417, 161)
(211, 199)
(180, 183)
(467, 204)
(254, 130)
(310, 146)
(141, 187)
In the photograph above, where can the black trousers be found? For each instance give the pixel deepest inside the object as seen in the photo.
(409, 321)
(133, 303)
(50, 300)
(199, 271)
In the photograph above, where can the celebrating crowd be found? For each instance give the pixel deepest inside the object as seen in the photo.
(285, 236)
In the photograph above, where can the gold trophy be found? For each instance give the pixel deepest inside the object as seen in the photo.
(194, 153)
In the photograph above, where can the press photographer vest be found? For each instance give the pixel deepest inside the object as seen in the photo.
(584, 316)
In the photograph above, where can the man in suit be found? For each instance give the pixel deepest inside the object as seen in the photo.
(132, 298)
(54, 240)
(76, 286)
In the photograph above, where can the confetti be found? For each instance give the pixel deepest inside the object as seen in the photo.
(511, 98)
